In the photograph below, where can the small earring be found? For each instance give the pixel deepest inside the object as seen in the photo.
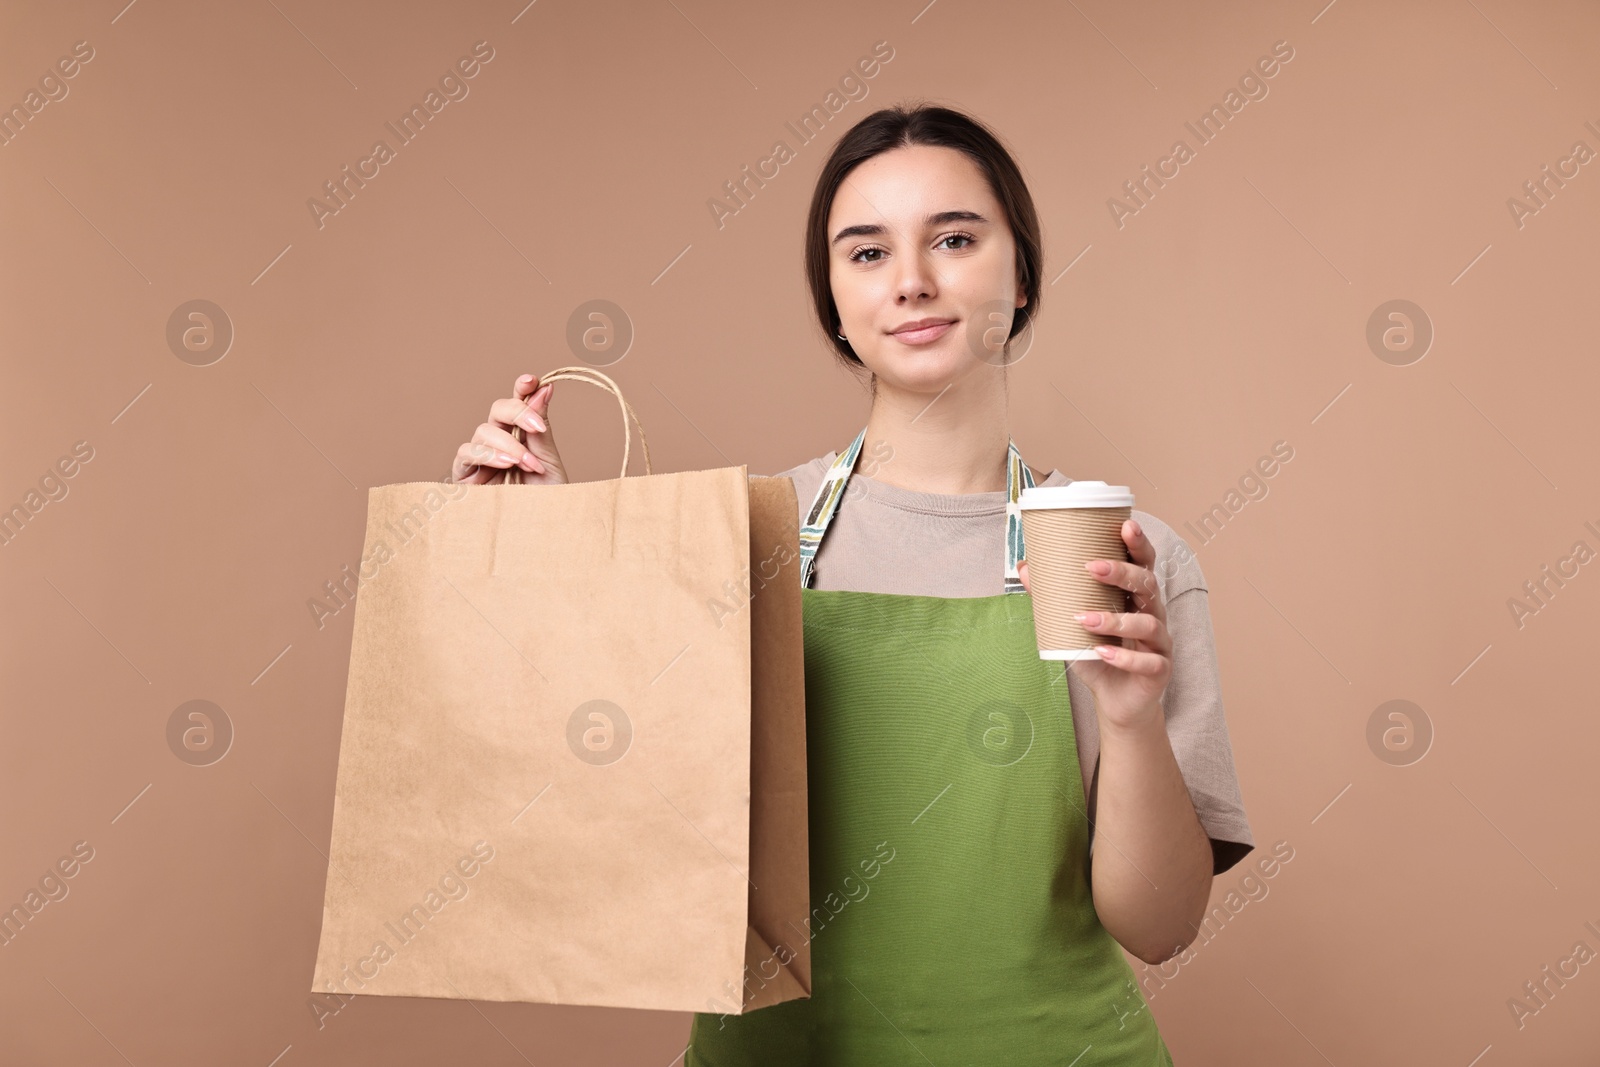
(841, 337)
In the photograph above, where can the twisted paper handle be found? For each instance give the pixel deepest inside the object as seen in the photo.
(593, 377)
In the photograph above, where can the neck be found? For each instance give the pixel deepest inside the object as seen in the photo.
(953, 442)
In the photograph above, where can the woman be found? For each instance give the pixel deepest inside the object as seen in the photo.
(957, 918)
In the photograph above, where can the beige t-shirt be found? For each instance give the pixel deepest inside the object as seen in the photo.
(887, 539)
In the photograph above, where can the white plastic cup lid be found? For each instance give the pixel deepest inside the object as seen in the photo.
(1076, 494)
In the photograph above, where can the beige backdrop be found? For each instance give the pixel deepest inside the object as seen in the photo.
(1183, 336)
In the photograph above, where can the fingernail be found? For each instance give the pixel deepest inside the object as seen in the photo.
(1136, 530)
(526, 378)
(532, 421)
(1099, 566)
(1088, 618)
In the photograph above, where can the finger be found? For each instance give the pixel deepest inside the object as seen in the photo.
(540, 400)
(476, 464)
(534, 395)
(1132, 577)
(496, 443)
(475, 453)
(524, 387)
(1139, 626)
(510, 411)
(1022, 574)
(494, 436)
(1140, 550)
(1149, 664)
(531, 392)
(477, 476)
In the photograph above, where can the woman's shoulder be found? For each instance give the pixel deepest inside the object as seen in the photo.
(807, 477)
(819, 465)
(1177, 567)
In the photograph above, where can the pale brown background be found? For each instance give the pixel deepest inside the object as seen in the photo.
(1230, 313)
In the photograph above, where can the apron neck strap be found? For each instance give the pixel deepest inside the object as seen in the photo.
(831, 492)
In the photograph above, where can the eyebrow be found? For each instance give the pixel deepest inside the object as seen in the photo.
(873, 229)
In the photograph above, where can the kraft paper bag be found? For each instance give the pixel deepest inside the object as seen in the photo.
(572, 767)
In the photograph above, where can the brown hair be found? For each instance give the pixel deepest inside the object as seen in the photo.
(921, 124)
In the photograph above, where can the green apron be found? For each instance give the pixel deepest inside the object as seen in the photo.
(952, 921)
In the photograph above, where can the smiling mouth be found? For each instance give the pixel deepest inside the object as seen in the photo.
(923, 334)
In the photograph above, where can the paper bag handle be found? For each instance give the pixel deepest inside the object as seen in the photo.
(593, 377)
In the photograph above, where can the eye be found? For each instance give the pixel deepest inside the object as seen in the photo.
(858, 256)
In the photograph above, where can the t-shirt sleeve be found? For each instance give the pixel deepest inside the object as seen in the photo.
(1199, 731)
(1196, 725)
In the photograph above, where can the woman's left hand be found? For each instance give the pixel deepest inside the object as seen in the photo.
(1127, 682)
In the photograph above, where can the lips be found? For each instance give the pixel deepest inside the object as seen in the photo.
(922, 331)
(917, 324)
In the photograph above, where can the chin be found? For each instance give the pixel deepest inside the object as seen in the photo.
(926, 369)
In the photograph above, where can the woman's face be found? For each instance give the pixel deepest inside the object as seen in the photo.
(915, 233)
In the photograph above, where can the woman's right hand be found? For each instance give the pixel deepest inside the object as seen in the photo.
(493, 448)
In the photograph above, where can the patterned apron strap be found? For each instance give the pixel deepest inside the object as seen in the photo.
(1018, 478)
(823, 507)
(831, 492)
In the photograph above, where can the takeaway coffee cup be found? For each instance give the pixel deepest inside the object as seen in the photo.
(1064, 527)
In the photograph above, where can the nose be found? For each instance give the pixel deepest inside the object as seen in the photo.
(914, 279)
